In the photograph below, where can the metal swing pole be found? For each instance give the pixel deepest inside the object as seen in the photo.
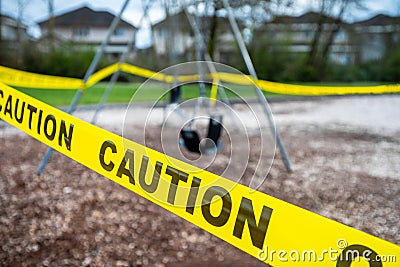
(172, 56)
(199, 57)
(252, 72)
(207, 56)
(122, 59)
(210, 65)
(89, 72)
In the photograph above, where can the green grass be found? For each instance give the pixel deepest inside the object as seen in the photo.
(123, 92)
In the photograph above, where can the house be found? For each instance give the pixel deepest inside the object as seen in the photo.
(10, 29)
(174, 37)
(88, 28)
(354, 43)
(226, 49)
(294, 34)
(375, 36)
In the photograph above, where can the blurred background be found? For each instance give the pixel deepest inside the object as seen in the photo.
(288, 40)
(345, 150)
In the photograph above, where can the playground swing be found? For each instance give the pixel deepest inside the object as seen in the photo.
(175, 95)
(190, 139)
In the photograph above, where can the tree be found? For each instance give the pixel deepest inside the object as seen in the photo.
(343, 6)
(312, 54)
(51, 27)
(211, 9)
(1, 20)
(331, 12)
(22, 4)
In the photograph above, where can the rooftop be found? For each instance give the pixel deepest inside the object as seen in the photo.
(85, 16)
(379, 20)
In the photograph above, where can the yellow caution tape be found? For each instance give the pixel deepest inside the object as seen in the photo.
(30, 80)
(214, 90)
(293, 89)
(101, 74)
(20, 78)
(240, 79)
(145, 73)
(275, 231)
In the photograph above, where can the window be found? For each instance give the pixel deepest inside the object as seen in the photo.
(161, 33)
(308, 34)
(82, 32)
(341, 36)
(119, 32)
(396, 37)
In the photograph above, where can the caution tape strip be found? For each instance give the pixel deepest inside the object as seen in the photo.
(293, 89)
(250, 220)
(30, 80)
(101, 74)
(20, 78)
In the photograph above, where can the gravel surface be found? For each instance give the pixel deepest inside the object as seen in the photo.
(346, 167)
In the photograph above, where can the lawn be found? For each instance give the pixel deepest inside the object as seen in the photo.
(122, 93)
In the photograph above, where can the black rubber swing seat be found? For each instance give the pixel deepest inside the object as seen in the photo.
(191, 139)
(175, 95)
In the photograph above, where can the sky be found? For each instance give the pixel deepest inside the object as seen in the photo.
(36, 10)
